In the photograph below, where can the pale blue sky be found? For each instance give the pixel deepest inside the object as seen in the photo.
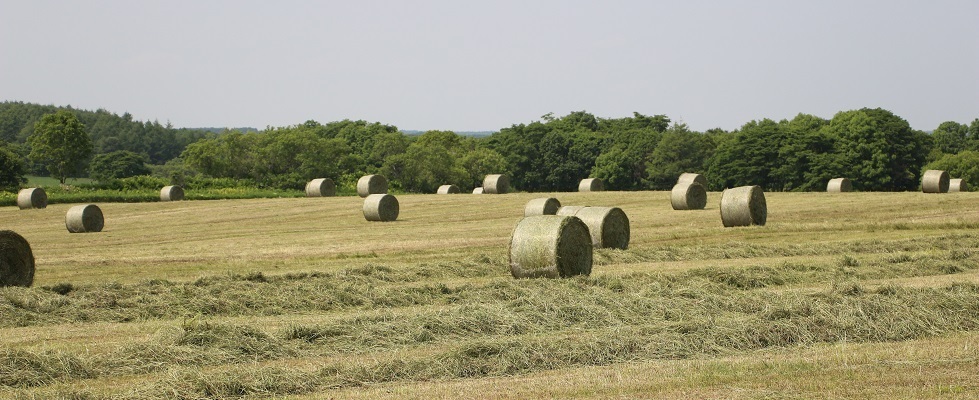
(468, 65)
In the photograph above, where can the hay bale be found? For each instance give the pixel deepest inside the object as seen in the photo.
(321, 187)
(84, 218)
(372, 184)
(743, 206)
(478, 190)
(591, 185)
(496, 184)
(688, 195)
(16, 260)
(542, 206)
(550, 246)
(172, 193)
(687, 177)
(934, 181)
(608, 226)
(448, 189)
(957, 185)
(839, 185)
(32, 198)
(381, 207)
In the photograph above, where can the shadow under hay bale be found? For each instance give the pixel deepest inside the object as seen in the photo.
(550, 246)
(689, 177)
(591, 185)
(688, 196)
(608, 226)
(934, 181)
(32, 198)
(448, 189)
(372, 184)
(542, 206)
(321, 187)
(839, 185)
(496, 184)
(172, 193)
(957, 185)
(84, 218)
(381, 208)
(743, 206)
(16, 260)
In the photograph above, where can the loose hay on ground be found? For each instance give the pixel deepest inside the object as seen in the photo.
(550, 246)
(743, 206)
(688, 196)
(542, 206)
(16, 260)
(84, 218)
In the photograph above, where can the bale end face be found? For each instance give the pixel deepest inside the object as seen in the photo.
(934, 181)
(84, 218)
(381, 208)
(542, 206)
(16, 260)
(171, 193)
(32, 198)
(321, 187)
(743, 206)
(372, 184)
(496, 184)
(591, 185)
(448, 189)
(550, 246)
(688, 196)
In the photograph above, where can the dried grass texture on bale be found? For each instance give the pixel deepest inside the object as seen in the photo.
(839, 185)
(743, 206)
(32, 198)
(550, 246)
(372, 184)
(688, 177)
(84, 218)
(688, 196)
(957, 185)
(478, 190)
(172, 193)
(448, 189)
(321, 187)
(381, 207)
(608, 226)
(934, 181)
(591, 185)
(542, 206)
(496, 184)
(16, 260)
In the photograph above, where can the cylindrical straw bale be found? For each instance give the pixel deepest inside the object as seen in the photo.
(496, 184)
(609, 226)
(84, 218)
(448, 189)
(692, 177)
(32, 198)
(688, 195)
(16, 260)
(381, 207)
(478, 190)
(172, 193)
(550, 246)
(934, 181)
(372, 184)
(957, 185)
(591, 185)
(839, 185)
(542, 206)
(743, 206)
(321, 187)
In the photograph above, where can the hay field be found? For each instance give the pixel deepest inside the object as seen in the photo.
(870, 295)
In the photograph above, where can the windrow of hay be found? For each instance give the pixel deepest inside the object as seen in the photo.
(608, 226)
(172, 193)
(934, 181)
(542, 206)
(381, 207)
(957, 185)
(478, 190)
(448, 189)
(550, 246)
(496, 184)
(687, 177)
(591, 185)
(321, 187)
(839, 185)
(743, 206)
(688, 196)
(32, 198)
(372, 184)
(84, 218)
(16, 260)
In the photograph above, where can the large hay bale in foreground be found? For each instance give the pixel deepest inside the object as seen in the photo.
(496, 184)
(32, 198)
(688, 177)
(839, 185)
(591, 185)
(381, 207)
(478, 190)
(321, 187)
(372, 184)
(172, 193)
(84, 218)
(689, 195)
(550, 246)
(957, 185)
(542, 206)
(608, 226)
(934, 181)
(448, 189)
(743, 206)
(16, 260)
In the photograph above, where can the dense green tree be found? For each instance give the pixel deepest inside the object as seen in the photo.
(480, 162)
(422, 169)
(951, 137)
(12, 169)
(807, 158)
(679, 150)
(878, 150)
(748, 157)
(117, 165)
(60, 142)
(964, 165)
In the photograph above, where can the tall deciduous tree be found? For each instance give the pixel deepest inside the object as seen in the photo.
(61, 143)
(12, 169)
(879, 150)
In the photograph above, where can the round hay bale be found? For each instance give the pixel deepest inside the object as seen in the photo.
(381, 207)
(839, 185)
(957, 185)
(172, 193)
(743, 206)
(448, 189)
(542, 206)
(478, 190)
(550, 246)
(608, 226)
(372, 184)
(591, 185)
(16, 260)
(321, 187)
(32, 198)
(84, 218)
(934, 181)
(496, 184)
(692, 177)
(689, 195)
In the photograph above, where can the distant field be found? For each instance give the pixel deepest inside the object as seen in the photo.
(866, 295)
